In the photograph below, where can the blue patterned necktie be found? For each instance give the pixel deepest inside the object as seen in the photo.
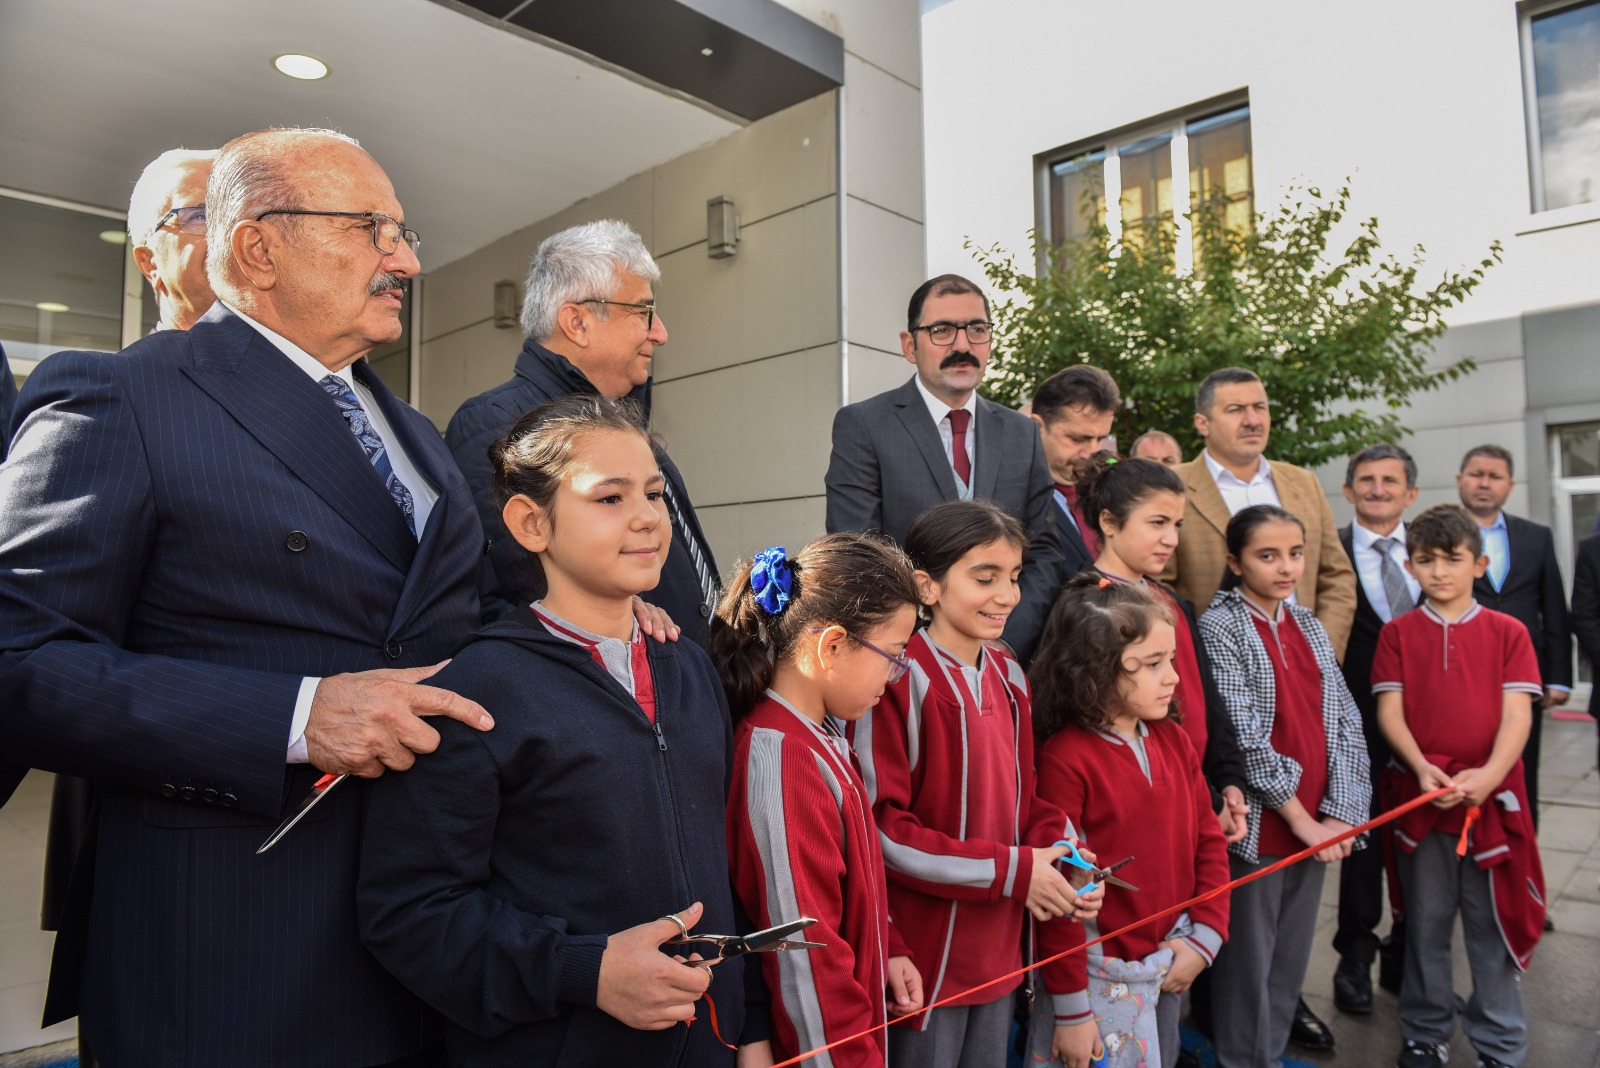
(372, 445)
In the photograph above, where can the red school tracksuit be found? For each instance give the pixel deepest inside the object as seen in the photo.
(801, 843)
(1156, 810)
(949, 768)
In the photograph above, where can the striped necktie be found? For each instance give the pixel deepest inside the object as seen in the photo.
(1394, 582)
(709, 585)
(371, 444)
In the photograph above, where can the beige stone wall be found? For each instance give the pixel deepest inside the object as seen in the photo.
(763, 346)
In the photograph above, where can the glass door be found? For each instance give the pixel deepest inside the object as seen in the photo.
(1575, 463)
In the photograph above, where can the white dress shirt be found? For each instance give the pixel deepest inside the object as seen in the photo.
(939, 412)
(1238, 495)
(423, 495)
(1369, 566)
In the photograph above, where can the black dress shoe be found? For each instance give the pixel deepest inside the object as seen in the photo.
(1422, 1055)
(1308, 1031)
(1549, 924)
(1352, 987)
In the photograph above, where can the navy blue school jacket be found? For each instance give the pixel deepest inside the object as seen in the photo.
(493, 871)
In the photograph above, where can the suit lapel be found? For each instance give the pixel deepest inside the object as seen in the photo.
(1204, 496)
(289, 414)
(1516, 549)
(990, 445)
(925, 436)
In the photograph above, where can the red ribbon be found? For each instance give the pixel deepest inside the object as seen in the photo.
(1466, 829)
(1309, 851)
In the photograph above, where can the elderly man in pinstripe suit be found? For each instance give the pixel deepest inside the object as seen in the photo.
(228, 559)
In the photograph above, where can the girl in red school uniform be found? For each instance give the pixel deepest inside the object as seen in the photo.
(1137, 506)
(803, 644)
(1306, 763)
(948, 759)
(1129, 778)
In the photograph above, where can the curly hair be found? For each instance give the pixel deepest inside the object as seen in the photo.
(1076, 677)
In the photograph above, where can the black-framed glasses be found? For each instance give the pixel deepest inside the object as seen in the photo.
(648, 309)
(189, 219)
(899, 665)
(387, 231)
(979, 332)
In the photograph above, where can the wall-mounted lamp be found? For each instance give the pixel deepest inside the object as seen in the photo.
(507, 304)
(722, 228)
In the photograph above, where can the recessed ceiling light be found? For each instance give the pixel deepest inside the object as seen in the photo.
(52, 306)
(705, 51)
(114, 237)
(306, 68)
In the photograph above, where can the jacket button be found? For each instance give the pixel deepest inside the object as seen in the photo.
(186, 793)
(209, 795)
(394, 648)
(297, 541)
(168, 790)
(705, 611)
(229, 800)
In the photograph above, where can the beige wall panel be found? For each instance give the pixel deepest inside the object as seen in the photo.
(873, 372)
(882, 131)
(886, 33)
(464, 364)
(742, 531)
(885, 266)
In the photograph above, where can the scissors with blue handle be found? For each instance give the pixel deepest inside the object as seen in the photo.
(1096, 875)
(726, 947)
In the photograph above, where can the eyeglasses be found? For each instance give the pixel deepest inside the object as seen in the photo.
(190, 219)
(899, 665)
(648, 309)
(978, 332)
(387, 231)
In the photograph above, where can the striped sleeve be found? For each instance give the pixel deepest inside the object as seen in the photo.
(1066, 980)
(1522, 673)
(1388, 665)
(915, 855)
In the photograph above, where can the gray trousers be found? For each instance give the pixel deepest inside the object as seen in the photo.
(1256, 979)
(958, 1036)
(1437, 885)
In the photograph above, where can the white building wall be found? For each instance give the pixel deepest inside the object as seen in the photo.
(1420, 103)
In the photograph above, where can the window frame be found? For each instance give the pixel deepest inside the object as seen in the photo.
(1541, 217)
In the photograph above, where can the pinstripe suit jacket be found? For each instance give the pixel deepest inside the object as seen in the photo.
(1328, 585)
(888, 466)
(189, 528)
(1248, 684)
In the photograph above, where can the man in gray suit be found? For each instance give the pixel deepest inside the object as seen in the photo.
(934, 440)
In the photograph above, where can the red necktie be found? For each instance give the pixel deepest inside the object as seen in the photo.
(959, 418)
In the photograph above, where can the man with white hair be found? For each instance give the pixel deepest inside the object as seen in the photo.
(167, 225)
(229, 557)
(589, 314)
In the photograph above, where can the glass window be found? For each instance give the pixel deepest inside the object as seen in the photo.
(1579, 448)
(1565, 57)
(62, 286)
(1146, 167)
(1219, 166)
(1075, 184)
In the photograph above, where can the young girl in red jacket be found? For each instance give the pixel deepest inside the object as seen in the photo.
(1127, 775)
(947, 755)
(803, 644)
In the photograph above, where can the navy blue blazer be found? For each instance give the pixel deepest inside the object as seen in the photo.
(189, 529)
(1534, 593)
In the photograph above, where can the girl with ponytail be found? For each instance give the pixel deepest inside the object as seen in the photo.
(804, 643)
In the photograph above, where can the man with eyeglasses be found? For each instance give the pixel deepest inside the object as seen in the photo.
(229, 557)
(167, 225)
(591, 325)
(934, 439)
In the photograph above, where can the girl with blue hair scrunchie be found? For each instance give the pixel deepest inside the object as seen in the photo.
(803, 644)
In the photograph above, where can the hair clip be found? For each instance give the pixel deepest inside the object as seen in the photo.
(1104, 582)
(772, 580)
(1111, 461)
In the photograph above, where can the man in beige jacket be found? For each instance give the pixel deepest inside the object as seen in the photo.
(1230, 474)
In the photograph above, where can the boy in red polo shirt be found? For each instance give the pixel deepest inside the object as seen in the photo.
(1455, 683)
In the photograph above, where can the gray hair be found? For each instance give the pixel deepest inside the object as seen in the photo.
(149, 192)
(1206, 395)
(581, 263)
(249, 179)
(1384, 451)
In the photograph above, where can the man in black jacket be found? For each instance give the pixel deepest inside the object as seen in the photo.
(1074, 409)
(1586, 602)
(1381, 483)
(1522, 580)
(591, 323)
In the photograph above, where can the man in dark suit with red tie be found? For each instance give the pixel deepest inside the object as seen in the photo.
(934, 439)
(229, 557)
(1074, 409)
(1523, 580)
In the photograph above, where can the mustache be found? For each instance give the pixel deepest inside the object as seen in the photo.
(388, 281)
(956, 359)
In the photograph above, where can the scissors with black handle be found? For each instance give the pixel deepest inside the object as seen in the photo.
(727, 947)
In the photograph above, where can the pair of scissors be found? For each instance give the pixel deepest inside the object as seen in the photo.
(319, 790)
(726, 947)
(1096, 875)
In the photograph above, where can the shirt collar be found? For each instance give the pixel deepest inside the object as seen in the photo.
(1142, 729)
(1218, 472)
(1257, 613)
(297, 355)
(576, 631)
(1498, 524)
(1433, 613)
(1362, 538)
(938, 409)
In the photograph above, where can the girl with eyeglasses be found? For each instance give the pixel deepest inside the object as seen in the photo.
(948, 757)
(805, 643)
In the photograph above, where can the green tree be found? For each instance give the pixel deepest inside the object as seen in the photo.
(1341, 338)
